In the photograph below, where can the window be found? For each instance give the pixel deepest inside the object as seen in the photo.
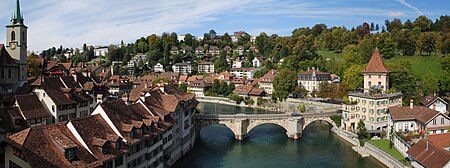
(434, 121)
(379, 76)
(442, 121)
(118, 144)
(370, 83)
(105, 149)
(70, 154)
(118, 161)
(370, 76)
(13, 36)
(108, 164)
(9, 73)
(62, 118)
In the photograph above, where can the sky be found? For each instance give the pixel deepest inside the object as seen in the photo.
(102, 22)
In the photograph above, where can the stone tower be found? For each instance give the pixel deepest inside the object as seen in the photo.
(16, 41)
(376, 75)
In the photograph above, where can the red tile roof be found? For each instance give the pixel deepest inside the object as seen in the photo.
(31, 107)
(376, 64)
(419, 113)
(429, 154)
(441, 140)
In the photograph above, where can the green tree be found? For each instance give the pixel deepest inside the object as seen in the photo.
(183, 87)
(352, 76)
(423, 23)
(426, 42)
(284, 83)
(389, 48)
(430, 83)
(446, 47)
(363, 134)
(215, 86)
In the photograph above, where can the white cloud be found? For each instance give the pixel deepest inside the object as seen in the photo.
(418, 12)
(395, 14)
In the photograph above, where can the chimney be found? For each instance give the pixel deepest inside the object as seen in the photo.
(411, 104)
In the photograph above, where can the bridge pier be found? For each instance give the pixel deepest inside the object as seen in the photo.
(295, 127)
(241, 126)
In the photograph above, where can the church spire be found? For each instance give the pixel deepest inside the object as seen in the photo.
(17, 15)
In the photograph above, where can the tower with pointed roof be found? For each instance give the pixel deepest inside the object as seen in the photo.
(368, 106)
(16, 41)
(376, 75)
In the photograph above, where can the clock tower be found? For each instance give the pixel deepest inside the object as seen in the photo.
(16, 41)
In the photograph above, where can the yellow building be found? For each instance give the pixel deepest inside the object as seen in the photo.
(371, 104)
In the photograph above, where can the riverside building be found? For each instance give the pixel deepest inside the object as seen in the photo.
(372, 102)
(152, 132)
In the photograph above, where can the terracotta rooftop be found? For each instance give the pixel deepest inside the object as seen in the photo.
(376, 64)
(31, 107)
(441, 140)
(419, 113)
(429, 154)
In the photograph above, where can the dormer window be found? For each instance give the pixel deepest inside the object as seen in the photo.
(70, 154)
(118, 144)
(105, 149)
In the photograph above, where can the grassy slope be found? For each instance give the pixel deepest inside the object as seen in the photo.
(383, 144)
(421, 65)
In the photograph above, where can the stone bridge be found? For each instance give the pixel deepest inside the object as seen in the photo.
(242, 124)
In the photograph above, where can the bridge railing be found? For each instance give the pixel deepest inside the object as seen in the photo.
(264, 116)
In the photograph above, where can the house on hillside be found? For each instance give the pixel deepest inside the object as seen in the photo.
(206, 67)
(311, 79)
(158, 68)
(434, 102)
(257, 62)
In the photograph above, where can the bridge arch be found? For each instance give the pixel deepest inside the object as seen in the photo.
(314, 119)
(256, 123)
(204, 123)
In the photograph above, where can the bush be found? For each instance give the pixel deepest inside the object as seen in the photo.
(249, 101)
(262, 102)
(238, 99)
(337, 119)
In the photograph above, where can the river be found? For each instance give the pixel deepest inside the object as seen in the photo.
(267, 146)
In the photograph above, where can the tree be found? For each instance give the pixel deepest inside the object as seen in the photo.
(445, 48)
(426, 42)
(284, 83)
(402, 79)
(215, 86)
(352, 76)
(33, 69)
(363, 134)
(430, 83)
(423, 23)
(188, 38)
(183, 87)
(388, 49)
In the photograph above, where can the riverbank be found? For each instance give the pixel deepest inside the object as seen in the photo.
(227, 101)
(288, 106)
(369, 149)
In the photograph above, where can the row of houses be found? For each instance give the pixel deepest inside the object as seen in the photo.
(154, 130)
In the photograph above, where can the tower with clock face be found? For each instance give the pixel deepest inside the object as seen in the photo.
(16, 41)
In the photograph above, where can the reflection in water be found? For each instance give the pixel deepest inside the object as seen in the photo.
(268, 146)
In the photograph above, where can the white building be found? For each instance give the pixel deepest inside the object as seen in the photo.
(243, 72)
(206, 67)
(257, 61)
(100, 51)
(418, 119)
(158, 68)
(311, 79)
(182, 68)
(435, 103)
